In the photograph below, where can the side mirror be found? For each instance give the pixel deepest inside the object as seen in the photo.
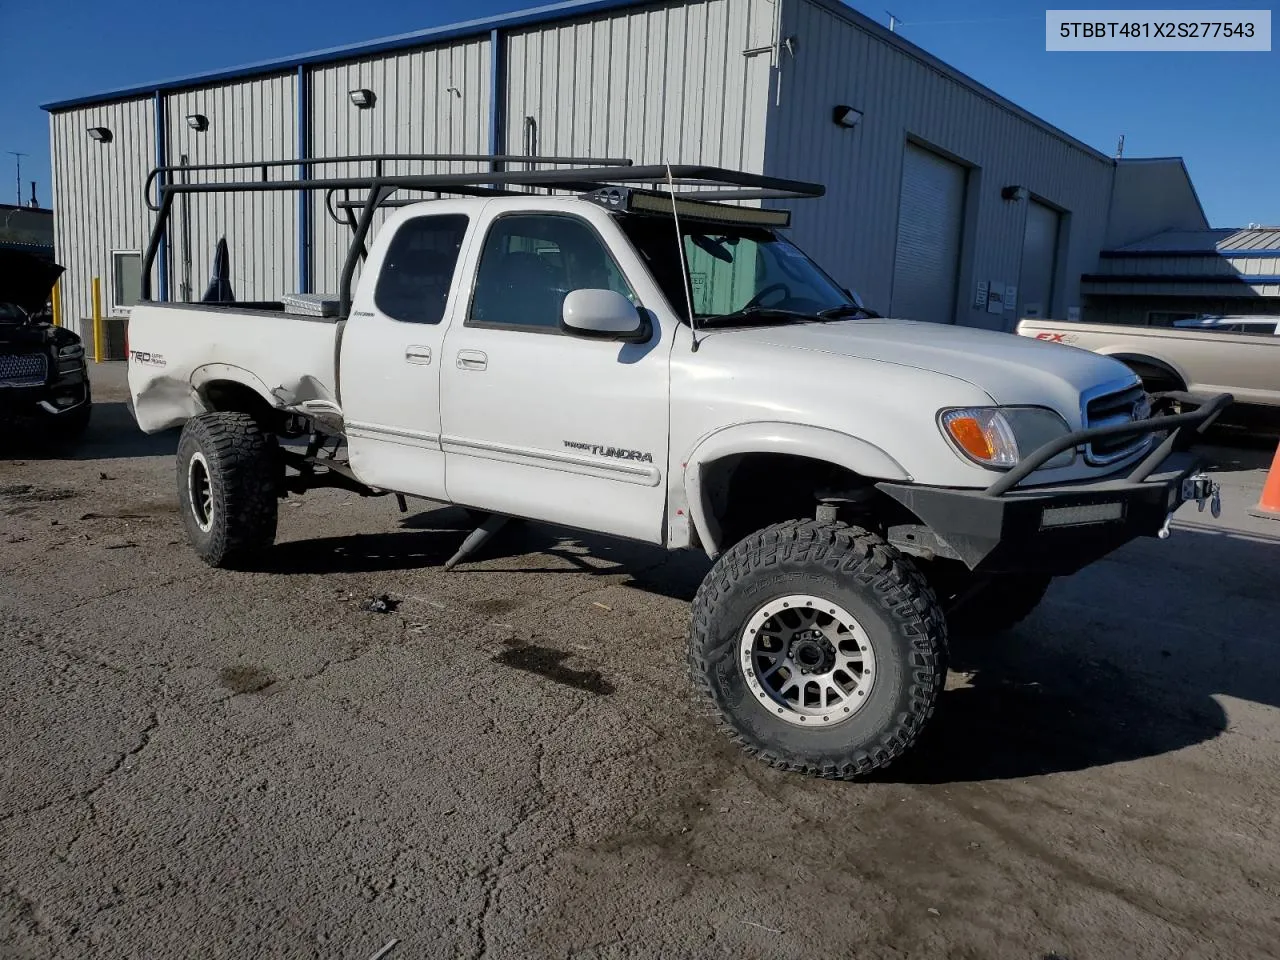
(603, 315)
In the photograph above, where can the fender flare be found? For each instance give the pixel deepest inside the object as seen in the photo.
(1164, 366)
(801, 440)
(209, 373)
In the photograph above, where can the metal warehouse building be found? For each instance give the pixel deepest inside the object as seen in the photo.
(945, 201)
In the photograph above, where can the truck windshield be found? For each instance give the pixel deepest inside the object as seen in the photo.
(738, 275)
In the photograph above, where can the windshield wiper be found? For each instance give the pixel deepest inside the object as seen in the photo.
(846, 310)
(749, 315)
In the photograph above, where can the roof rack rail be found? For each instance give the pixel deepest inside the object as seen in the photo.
(379, 161)
(578, 175)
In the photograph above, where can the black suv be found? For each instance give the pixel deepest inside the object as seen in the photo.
(44, 383)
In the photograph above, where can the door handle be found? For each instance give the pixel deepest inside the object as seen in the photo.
(472, 360)
(414, 353)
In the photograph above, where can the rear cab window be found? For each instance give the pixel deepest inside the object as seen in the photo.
(417, 272)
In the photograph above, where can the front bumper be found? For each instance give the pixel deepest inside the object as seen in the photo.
(1057, 530)
(69, 391)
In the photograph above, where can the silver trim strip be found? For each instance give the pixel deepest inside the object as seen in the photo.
(626, 471)
(378, 432)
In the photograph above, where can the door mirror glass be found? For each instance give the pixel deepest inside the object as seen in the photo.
(605, 314)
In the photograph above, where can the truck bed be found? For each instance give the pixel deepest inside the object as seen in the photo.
(178, 350)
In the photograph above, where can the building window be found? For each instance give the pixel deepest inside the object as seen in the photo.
(413, 285)
(126, 273)
(530, 262)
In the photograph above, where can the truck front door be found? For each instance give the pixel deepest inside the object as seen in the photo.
(542, 424)
(391, 354)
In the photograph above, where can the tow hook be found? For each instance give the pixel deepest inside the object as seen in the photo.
(1203, 489)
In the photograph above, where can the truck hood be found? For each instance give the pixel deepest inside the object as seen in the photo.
(26, 281)
(1008, 368)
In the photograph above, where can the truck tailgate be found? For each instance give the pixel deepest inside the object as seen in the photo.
(177, 350)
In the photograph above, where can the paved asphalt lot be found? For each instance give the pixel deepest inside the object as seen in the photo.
(210, 764)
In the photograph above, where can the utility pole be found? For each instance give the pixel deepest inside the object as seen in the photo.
(1120, 147)
(894, 20)
(18, 159)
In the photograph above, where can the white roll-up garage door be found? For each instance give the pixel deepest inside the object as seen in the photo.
(1039, 261)
(926, 263)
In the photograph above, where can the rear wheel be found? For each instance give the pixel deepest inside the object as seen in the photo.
(228, 477)
(821, 648)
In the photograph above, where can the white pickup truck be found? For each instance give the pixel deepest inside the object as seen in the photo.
(1240, 355)
(661, 367)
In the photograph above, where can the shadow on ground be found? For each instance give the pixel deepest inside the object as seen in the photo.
(113, 434)
(432, 537)
(1029, 705)
(1026, 714)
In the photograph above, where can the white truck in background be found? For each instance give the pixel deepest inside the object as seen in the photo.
(1239, 355)
(665, 367)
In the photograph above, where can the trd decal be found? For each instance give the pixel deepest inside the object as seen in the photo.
(618, 453)
(152, 359)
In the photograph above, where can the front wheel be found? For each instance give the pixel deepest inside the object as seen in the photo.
(229, 472)
(821, 647)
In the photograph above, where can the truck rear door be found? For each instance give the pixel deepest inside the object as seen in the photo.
(391, 351)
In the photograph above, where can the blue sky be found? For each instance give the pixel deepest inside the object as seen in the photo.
(1218, 110)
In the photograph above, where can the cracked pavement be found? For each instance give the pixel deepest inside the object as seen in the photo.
(509, 763)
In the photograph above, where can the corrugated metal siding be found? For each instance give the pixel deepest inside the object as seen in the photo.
(1249, 241)
(97, 195)
(1252, 239)
(852, 230)
(1174, 266)
(656, 84)
(429, 101)
(251, 120)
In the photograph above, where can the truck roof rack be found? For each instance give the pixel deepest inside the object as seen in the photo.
(572, 174)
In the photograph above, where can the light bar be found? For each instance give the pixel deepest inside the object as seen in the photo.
(645, 201)
(1082, 515)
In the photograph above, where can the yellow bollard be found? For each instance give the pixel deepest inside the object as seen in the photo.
(97, 320)
(57, 304)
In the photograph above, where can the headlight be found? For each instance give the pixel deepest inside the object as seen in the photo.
(1001, 436)
(72, 351)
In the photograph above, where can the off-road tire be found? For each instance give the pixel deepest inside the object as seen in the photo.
(864, 575)
(998, 605)
(244, 470)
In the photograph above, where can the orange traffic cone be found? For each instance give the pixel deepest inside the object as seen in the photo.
(1269, 505)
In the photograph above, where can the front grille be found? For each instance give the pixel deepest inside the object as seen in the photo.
(23, 369)
(1125, 406)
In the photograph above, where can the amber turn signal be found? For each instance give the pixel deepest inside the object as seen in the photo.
(968, 434)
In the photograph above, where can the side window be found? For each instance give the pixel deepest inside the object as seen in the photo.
(531, 262)
(418, 270)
